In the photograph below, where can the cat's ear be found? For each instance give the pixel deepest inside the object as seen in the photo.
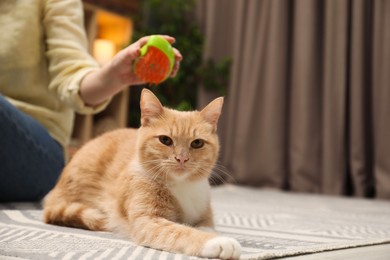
(150, 106)
(212, 111)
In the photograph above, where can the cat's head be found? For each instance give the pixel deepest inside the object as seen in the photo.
(176, 145)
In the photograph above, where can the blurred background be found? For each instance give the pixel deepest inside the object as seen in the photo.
(306, 85)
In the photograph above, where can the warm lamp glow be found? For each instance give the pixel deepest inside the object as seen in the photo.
(114, 28)
(103, 50)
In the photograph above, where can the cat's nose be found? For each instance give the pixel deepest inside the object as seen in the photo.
(181, 158)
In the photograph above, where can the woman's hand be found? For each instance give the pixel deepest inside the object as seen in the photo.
(98, 86)
(121, 66)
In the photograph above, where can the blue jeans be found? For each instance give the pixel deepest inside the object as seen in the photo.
(30, 159)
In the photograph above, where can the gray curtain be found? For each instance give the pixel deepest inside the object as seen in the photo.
(308, 104)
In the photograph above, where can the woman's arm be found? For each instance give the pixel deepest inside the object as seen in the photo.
(75, 75)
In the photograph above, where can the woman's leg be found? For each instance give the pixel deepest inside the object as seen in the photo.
(30, 159)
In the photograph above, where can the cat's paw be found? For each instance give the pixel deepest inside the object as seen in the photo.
(222, 247)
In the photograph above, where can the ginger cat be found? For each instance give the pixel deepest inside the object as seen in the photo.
(150, 184)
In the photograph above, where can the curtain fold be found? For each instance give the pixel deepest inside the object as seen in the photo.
(308, 105)
(360, 108)
(380, 84)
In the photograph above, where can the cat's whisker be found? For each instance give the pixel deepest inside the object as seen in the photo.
(164, 174)
(157, 173)
(154, 171)
(220, 173)
(203, 172)
(221, 169)
(217, 179)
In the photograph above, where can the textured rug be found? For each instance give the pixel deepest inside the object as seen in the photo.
(268, 224)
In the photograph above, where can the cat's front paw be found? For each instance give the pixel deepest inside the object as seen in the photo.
(222, 247)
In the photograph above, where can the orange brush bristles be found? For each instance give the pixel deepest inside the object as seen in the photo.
(153, 67)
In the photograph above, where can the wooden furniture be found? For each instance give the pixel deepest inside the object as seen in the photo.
(105, 20)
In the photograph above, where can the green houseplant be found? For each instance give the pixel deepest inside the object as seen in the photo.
(177, 18)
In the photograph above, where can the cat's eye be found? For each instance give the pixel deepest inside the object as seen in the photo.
(165, 140)
(197, 143)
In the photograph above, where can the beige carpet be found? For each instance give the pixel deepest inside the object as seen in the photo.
(268, 224)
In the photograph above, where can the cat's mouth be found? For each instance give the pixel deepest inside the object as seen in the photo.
(179, 169)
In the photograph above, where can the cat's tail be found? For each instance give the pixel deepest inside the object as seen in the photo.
(74, 215)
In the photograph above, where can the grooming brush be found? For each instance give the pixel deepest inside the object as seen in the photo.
(156, 61)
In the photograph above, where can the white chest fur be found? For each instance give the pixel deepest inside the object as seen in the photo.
(193, 198)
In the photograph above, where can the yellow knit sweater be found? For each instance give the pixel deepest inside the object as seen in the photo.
(43, 58)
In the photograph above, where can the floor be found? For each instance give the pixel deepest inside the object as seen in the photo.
(377, 252)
